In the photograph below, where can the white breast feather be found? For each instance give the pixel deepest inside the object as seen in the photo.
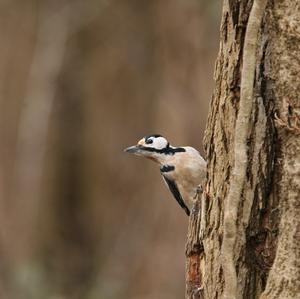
(190, 171)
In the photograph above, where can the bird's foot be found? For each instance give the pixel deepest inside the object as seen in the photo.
(200, 191)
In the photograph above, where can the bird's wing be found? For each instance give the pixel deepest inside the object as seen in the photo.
(174, 189)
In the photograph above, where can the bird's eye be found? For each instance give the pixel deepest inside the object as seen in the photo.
(149, 141)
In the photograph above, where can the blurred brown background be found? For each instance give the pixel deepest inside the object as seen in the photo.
(80, 81)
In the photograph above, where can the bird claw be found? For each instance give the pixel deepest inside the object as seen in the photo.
(200, 190)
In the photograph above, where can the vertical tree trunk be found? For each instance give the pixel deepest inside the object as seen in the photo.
(244, 237)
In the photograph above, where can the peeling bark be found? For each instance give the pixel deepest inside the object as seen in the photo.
(244, 240)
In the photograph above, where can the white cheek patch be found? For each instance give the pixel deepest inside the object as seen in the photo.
(159, 143)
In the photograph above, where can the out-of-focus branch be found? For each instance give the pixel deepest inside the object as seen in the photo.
(53, 26)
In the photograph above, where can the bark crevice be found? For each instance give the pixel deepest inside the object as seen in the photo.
(264, 229)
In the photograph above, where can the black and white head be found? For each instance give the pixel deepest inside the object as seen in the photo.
(150, 146)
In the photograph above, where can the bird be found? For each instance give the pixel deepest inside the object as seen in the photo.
(182, 168)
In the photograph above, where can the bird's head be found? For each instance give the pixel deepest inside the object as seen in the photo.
(151, 147)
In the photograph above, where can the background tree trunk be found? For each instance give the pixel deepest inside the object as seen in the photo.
(265, 223)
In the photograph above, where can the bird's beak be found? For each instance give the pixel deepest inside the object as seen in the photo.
(133, 149)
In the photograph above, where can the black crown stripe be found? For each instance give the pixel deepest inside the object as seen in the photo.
(166, 151)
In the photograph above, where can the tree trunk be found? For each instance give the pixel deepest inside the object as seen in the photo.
(244, 236)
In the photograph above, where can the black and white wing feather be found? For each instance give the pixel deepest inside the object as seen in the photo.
(174, 189)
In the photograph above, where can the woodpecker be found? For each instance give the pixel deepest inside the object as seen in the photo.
(182, 168)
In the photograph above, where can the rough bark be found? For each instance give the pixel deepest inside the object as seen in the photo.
(253, 152)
